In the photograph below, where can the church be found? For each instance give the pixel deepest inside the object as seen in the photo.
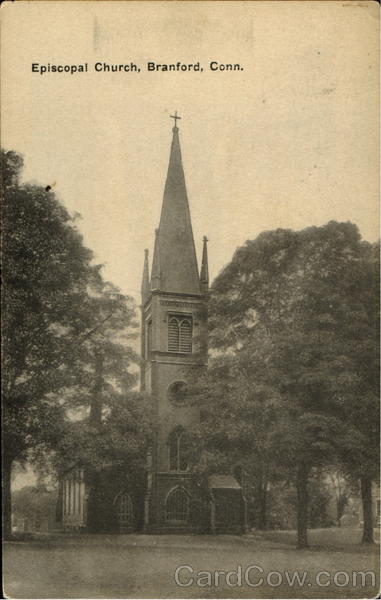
(174, 350)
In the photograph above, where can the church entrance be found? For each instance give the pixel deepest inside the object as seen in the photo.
(228, 505)
(124, 513)
(228, 512)
(177, 506)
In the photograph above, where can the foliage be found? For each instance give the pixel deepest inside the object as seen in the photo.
(292, 335)
(34, 503)
(59, 317)
(343, 487)
(282, 504)
(119, 440)
(46, 271)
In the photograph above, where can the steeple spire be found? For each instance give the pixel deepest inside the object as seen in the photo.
(145, 279)
(204, 274)
(174, 246)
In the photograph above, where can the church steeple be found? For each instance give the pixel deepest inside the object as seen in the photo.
(174, 353)
(145, 289)
(174, 247)
(204, 274)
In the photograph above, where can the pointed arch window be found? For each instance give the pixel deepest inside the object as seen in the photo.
(177, 505)
(180, 331)
(179, 448)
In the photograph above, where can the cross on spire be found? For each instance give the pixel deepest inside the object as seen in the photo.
(175, 117)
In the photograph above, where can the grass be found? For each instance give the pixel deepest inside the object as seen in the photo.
(143, 566)
(343, 539)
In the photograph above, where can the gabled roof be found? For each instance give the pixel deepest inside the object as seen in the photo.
(223, 482)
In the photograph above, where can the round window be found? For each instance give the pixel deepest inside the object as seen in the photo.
(177, 393)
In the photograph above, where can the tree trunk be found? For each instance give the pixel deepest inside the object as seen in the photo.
(7, 499)
(366, 497)
(96, 398)
(261, 496)
(262, 518)
(338, 513)
(302, 505)
(59, 507)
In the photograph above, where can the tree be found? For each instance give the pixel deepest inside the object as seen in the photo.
(36, 504)
(292, 302)
(238, 417)
(342, 492)
(117, 445)
(361, 451)
(54, 302)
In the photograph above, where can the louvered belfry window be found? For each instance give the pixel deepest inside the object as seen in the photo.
(180, 334)
(186, 336)
(173, 334)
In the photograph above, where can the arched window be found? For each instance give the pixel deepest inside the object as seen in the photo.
(180, 330)
(179, 448)
(177, 505)
(124, 511)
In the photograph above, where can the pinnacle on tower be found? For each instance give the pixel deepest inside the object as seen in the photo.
(204, 274)
(156, 267)
(145, 289)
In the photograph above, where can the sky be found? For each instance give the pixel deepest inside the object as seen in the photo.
(290, 140)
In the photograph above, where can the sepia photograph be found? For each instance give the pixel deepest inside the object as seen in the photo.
(190, 299)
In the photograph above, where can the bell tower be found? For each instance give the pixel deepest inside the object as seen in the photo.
(174, 351)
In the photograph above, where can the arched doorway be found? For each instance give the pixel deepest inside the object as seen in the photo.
(177, 506)
(124, 512)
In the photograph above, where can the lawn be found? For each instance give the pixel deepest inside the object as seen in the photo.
(143, 566)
